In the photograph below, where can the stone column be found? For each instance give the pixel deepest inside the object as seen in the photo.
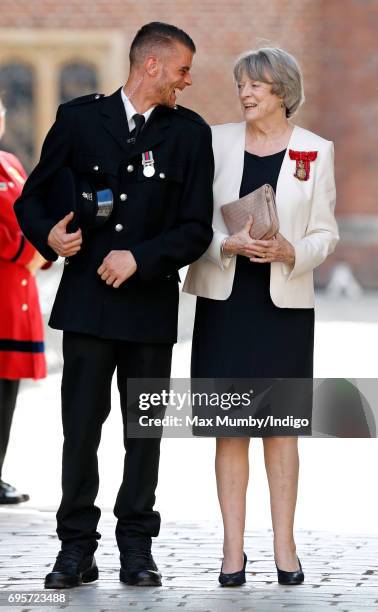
(46, 96)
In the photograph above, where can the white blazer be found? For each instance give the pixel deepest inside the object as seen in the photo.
(305, 211)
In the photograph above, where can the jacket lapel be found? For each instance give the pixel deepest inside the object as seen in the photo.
(115, 122)
(290, 191)
(153, 132)
(228, 145)
(114, 119)
(284, 181)
(237, 148)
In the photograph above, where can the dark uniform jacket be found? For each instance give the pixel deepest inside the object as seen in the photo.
(165, 220)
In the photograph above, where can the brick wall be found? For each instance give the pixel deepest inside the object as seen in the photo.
(221, 30)
(334, 41)
(349, 100)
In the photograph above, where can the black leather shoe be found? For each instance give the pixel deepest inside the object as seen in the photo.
(296, 577)
(138, 568)
(234, 579)
(72, 568)
(10, 495)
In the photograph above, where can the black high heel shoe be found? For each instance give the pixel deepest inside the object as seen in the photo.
(296, 577)
(234, 579)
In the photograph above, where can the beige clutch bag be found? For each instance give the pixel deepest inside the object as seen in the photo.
(261, 204)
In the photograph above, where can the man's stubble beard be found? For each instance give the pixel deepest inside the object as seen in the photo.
(164, 90)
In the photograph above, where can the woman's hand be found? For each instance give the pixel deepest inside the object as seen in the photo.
(276, 249)
(260, 251)
(35, 263)
(240, 243)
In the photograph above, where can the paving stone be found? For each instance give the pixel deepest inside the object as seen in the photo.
(341, 570)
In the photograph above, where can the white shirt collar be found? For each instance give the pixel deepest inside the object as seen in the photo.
(130, 110)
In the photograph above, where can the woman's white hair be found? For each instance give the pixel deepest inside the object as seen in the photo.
(276, 67)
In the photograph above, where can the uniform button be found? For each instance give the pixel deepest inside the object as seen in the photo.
(123, 197)
(24, 307)
(162, 175)
(97, 96)
(130, 168)
(118, 227)
(24, 282)
(11, 184)
(95, 168)
(66, 261)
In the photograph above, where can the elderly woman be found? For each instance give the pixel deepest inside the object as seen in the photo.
(255, 306)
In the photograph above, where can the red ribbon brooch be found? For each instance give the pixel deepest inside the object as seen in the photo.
(302, 160)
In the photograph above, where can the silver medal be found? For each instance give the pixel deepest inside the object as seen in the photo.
(149, 171)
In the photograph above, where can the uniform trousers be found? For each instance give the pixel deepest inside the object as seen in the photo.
(89, 365)
(8, 398)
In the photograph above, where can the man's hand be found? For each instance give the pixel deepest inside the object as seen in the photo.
(61, 242)
(117, 267)
(35, 263)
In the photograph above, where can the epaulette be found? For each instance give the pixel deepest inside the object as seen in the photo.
(189, 114)
(85, 99)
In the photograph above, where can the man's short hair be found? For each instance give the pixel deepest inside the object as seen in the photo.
(156, 35)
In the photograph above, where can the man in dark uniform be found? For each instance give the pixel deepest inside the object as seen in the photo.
(118, 297)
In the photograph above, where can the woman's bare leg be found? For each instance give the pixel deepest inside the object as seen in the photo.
(282, 468)
(232, 471)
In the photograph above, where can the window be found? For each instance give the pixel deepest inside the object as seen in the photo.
(16, 90)
(77, 79)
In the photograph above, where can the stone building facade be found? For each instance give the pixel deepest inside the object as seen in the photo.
(51, 50)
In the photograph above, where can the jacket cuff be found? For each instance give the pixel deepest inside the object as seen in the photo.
(40, 237)
(214, 252)
(299, 266)
(25, 252)
(307, 258)
(145, 266)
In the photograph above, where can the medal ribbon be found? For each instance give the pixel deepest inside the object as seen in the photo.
(306, 157)
(147, 158)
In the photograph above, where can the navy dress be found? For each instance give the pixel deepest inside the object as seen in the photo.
(246, 335)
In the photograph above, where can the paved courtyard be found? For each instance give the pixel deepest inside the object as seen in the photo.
(334, 499)
(341, 571)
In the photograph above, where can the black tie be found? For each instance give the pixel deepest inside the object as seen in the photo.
(139, 123)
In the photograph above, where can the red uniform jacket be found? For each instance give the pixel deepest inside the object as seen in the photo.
(21, 326)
